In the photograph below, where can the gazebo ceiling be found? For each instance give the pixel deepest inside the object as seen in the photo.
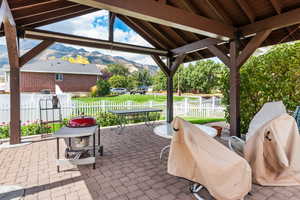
(243, 16)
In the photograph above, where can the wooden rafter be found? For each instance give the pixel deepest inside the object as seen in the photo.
(161, 65)
(247, 10)
(219, 11)
(278, 7)
(38, 9)
(19, 5)
(52, 15)
(154, 28)
(143, 31)
(279, 21)
(177, 38)
(89, 42)
(165, 15)
(35, 51)
(58, 18)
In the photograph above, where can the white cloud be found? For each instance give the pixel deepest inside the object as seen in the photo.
(82, 26)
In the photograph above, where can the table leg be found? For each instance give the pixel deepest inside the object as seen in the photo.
(57, 151)
(122, 122)
(100, 150)
(94, 150)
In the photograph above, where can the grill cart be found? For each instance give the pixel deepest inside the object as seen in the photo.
(50, 112)
(80, 137)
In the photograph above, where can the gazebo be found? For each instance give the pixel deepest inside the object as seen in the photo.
(179, 30)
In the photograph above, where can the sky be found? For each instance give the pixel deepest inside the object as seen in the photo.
(95, 25)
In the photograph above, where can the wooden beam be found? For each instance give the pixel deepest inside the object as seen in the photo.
(13, 56)
(165, 15)
(35, 51)
(161, 65)
(234, 93)
(279, 21)
(112, 18)
(196, 46)
(219, 54)
(89, 42)
(178, 61)
(252, 45)
(247, 10)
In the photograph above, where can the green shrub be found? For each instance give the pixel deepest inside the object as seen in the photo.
(103, 88)
(118, 81)
(26, 129)
(4, 131)
(35, 129)
(273, 76)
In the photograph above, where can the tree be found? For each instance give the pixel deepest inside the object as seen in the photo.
(117, 69)
(141, 78)
(273, 76)
(205, 76)
(118, 81)
(103, 88)
(159, 81)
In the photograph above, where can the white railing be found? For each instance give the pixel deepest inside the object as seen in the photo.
(203, 108)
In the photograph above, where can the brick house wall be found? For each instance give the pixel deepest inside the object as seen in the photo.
(35, 82)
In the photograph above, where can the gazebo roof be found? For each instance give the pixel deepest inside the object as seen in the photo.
(243, 16)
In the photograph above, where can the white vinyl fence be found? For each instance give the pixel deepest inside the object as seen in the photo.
(204, 108)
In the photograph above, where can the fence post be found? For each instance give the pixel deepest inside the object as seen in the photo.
(150, 104)
(213, 103)
(186, 106)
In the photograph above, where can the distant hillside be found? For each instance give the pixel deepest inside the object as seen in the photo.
(95, 57)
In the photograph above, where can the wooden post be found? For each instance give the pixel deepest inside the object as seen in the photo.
(14, 62)
(169, 94)
(111, 19)
(234, 93)
(234, 62)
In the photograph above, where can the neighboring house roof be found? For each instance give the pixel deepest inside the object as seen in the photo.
(59, 66)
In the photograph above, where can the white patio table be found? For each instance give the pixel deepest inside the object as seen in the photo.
(166, 131)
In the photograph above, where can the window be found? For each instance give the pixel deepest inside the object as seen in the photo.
(59, 77)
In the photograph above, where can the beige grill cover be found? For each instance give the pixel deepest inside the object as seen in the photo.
(274, 153)
(200, 158)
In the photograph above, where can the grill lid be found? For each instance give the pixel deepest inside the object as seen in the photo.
(83, 121)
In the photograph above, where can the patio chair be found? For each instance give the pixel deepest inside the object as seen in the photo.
(297, 116)
(268, 112)
(271, 147)
(197, 157)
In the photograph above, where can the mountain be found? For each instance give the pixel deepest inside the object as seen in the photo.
(59, 51)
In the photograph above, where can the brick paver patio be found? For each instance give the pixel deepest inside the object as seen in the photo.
(130, 169)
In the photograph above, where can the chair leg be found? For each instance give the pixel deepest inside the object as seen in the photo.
(163, 150)
(196, 187)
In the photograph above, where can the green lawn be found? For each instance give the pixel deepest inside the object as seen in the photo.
(128, 97)
(195, 120)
